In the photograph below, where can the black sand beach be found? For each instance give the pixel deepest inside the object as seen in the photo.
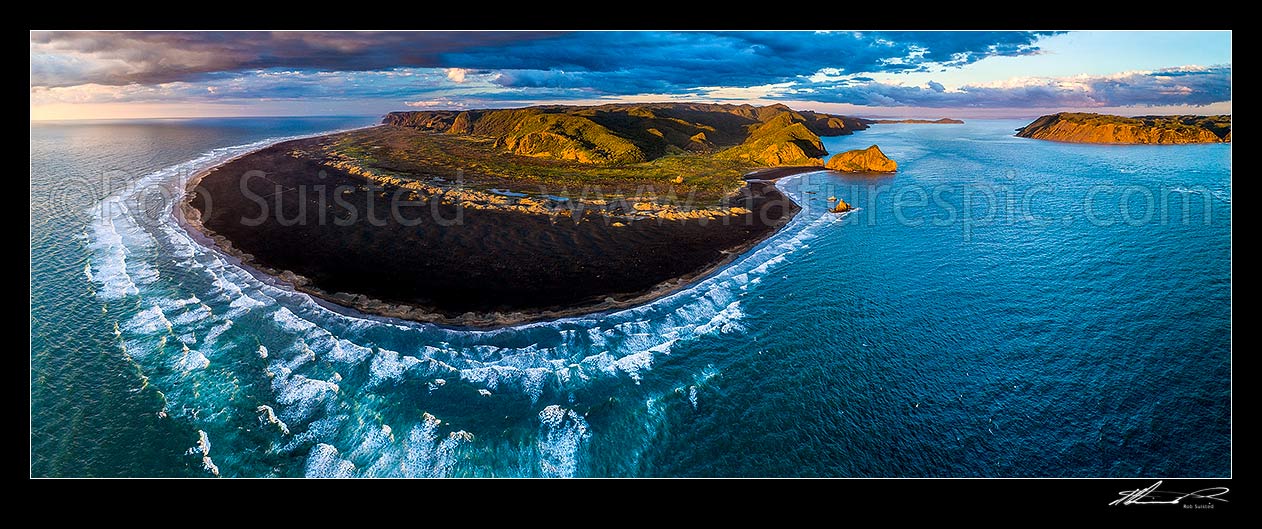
(445, 264)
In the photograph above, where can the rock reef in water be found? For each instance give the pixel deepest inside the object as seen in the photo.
(869, 160)
(1102, 128)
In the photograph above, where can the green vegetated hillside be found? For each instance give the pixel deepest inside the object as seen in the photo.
(1103, 128)
(773, 135)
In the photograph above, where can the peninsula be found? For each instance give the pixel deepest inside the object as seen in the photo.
(485, 218)
(942, 121)
(1102, 128)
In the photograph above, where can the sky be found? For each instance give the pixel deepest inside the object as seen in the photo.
(112, 75)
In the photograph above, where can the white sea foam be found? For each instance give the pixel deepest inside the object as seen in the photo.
(727, 320)
(245, 303)
(533, 381)
(213, 334)
(489, 376)
(635, 364)
(191, 360)
(298, 355)
(379, 453)
(597, 364)
(425, 454)
(195, 315)
(188, 338)
(301, 395)
(149, 321)
(324, 428)
(347, 352)
(288, 321)
(532, 359)
(178, 303)
(110, 261)
(562, 435)
(388, 365)
(374, 451)
(324, 461)
(143, 274)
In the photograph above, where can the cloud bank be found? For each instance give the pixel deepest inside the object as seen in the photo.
(456, 69)
(1188, 85)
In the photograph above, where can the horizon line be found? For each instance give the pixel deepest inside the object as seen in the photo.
(860, 116)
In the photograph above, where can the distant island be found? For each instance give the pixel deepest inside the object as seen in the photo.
(522, 214)
(942, 121)
(1103, 128)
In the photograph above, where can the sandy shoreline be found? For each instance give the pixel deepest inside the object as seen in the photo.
(189, 217)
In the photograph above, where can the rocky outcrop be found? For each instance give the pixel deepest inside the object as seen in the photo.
(1103, 128)
(869, 160)
(841, 207)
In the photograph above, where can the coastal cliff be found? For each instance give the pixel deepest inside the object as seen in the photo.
(1103, 128)
(869, 160)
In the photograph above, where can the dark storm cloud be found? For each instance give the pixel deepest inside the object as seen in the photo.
(601, 62)
(682, 61)
(119, 58)
(525, 66)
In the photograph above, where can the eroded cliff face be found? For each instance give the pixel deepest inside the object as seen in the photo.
(773, 135)
(1101, 128)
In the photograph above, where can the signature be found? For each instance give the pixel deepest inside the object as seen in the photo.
(1152, 496)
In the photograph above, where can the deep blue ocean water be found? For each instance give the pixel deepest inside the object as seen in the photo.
(999, 307)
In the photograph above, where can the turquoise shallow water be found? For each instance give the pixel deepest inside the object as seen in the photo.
(1000, 307)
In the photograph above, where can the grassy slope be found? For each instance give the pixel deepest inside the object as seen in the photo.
(410, 153)
(701, 148)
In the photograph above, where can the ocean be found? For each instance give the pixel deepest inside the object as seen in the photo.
(1000, 307)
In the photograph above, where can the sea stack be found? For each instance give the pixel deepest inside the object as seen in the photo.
(869, 160)
(841, 207)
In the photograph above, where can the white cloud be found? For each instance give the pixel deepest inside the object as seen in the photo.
(437, 103)
(457, 74)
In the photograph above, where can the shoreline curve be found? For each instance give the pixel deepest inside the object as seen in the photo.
(189, 219)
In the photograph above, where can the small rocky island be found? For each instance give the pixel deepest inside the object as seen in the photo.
(869, 160)
(1102, 128)
(485, 218)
